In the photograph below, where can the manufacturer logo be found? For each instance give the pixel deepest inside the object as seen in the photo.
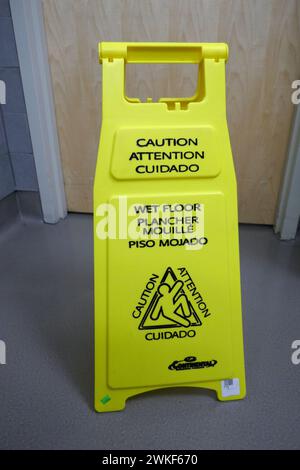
(190, 362)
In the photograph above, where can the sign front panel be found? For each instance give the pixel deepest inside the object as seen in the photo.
(168, 297)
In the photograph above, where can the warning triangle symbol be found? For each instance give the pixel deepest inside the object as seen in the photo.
(170, 306)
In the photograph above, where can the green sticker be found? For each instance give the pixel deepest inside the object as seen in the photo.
(105, 399)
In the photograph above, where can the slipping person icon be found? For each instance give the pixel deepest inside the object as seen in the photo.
(169, 302)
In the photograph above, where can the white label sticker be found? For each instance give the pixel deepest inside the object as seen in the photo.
(230, 387)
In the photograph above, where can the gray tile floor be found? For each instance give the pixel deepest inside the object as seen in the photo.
(46, 320)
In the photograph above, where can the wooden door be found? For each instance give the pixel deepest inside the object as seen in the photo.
(264, 60)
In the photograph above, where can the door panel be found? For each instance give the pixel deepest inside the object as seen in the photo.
(263, 38)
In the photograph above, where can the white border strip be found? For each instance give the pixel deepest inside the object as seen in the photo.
(28, 21)
(288, 214)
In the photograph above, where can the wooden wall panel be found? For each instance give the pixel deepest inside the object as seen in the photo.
(264, 59)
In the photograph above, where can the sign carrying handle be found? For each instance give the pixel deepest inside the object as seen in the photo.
(158, 53)
(210, 57)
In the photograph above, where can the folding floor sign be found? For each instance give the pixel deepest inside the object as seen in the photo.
(167, 283)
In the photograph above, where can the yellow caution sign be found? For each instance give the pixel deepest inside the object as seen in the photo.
(167, 284)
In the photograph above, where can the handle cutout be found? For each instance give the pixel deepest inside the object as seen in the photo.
(166, 82)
